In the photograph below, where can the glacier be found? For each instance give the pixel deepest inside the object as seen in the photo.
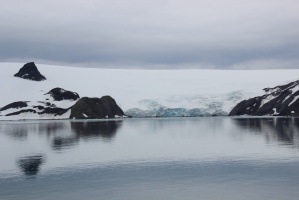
(144, 93)
(186, 106)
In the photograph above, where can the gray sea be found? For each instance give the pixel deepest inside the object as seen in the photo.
(151, 159)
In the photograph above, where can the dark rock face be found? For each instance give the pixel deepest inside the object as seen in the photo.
(23, 107)
(278, 101)
(55, 111)
(21, 111)
(29, 71)
(15, 105)
(95, 108)
(60, 94)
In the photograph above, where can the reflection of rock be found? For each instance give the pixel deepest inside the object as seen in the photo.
(53, 127)
(16, 131)
(63, 142)
(104, 129)
(86, 130)
(95, 108)
(30, 165)
(29, 71)
(285, 130)
(64, 134)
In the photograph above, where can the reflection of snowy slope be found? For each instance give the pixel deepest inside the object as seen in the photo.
(145, 92)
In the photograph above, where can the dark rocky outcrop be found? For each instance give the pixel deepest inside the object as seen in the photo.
(21, 111)
(54, 111)
(15, 105)
(59, 94)
(30, 72)
(95, 108)
(281, 100)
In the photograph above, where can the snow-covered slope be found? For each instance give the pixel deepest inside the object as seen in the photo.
(281, 100)
(189, 92)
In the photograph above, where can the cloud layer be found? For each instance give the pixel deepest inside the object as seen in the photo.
(152, 34)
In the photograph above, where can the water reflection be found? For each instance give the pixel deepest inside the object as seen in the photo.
(30, 165)
(18, 131)
(284, 130)
(60, 143)
(105, 130)
(63, 134)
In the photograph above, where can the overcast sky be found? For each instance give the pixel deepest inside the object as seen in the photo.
(223, 34)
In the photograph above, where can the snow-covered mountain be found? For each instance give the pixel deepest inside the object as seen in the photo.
(282, 100)
(142, 93)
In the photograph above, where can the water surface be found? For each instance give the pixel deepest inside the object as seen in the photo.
(177, 158)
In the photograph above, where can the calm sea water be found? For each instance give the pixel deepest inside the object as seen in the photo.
(180, 158)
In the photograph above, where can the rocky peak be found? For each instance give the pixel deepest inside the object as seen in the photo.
(30, 72)
(95, 108)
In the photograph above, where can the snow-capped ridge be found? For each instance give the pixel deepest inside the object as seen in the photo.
(281, 100)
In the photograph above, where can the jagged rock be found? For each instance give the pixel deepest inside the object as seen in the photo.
(29, 71)
(21, 111)
(39, 107)
(47, 104)
(54, 111)
(59, 94)
(15, 105)
(95, 108)
(23, 107)
(278, 101)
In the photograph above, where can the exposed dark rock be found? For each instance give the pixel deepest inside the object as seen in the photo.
(55, 111)
(278, 101)
(15, 105)
(29, 71)
(39, 107)
(20, 105)
(59, 94)
(95, 108)
(21, 111)
(47, 104)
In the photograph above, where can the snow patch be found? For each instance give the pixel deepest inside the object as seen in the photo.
(294, 100)
(275, 112)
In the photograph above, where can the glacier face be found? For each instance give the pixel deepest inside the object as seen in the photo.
(187, 106)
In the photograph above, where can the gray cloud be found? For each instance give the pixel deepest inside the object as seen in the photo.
(152, 34)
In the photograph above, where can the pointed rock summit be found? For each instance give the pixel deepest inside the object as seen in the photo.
(30, 72)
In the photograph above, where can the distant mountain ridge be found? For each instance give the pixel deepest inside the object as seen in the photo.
(282, 100)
